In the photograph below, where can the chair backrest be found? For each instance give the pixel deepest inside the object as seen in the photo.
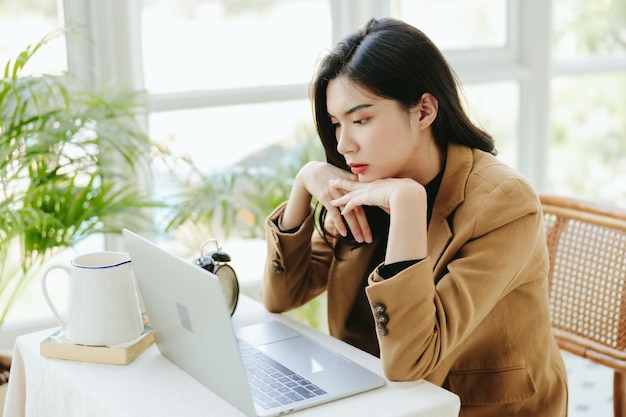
(587, 279)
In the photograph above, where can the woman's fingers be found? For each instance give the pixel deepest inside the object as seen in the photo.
(354, 215)
(334, 215)
(330, 184)
(357, 222)
(335, 212)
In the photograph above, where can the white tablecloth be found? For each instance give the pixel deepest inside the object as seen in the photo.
(153, 386)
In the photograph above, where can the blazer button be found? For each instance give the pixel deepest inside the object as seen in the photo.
(380, 308)
(381, 329)
(382, 318)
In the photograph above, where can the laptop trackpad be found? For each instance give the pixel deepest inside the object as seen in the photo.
(266, 332)
(289, 347)
(303, 355)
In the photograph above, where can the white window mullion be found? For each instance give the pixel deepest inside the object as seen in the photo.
(215, 98)
(105, 47)
(350, 15)
(535, 29)
(105, 51)
(79, 48)
(117, 42)
(589, 66)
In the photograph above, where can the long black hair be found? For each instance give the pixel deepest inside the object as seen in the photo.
(396, 61)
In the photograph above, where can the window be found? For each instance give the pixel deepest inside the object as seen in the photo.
(587, 155)
(219, 137)
(588, 28)
(477, 24)
(482, 51)
(225, 44)
(502, 120)
(232, 78)
(23, 23)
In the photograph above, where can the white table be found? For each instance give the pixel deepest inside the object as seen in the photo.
(153, 386)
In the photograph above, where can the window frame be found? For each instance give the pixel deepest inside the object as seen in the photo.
(526, 60)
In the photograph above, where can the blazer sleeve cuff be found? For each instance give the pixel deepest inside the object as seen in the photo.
(376, 277)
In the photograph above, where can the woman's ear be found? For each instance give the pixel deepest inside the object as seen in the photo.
(425, 111)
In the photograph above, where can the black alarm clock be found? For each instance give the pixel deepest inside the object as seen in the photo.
(217, 262)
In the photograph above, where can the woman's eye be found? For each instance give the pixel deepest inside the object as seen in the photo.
(361, 121)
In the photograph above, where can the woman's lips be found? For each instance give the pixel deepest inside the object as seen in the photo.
(358, 169)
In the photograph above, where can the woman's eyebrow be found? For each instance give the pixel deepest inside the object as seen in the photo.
(354, 109)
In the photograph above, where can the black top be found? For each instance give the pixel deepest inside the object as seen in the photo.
(432, 188)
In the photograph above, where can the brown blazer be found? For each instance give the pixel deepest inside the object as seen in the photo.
(472, 317)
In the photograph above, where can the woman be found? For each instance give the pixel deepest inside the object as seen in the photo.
(432, 252)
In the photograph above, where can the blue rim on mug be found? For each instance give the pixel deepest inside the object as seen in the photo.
(101, 266)
(101, 260)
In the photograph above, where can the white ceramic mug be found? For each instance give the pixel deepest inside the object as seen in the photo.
(102, 304)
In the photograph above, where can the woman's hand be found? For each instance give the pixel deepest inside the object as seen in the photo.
(314, 180)
(403, 199)
(377, 193)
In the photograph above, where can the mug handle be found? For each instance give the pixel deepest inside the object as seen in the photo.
(44, 289)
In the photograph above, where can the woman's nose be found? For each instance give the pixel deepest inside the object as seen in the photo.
(345, 144)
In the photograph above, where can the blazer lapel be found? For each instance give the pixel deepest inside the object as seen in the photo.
(459, 162)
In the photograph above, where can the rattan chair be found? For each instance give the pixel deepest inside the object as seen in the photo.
(587, 249)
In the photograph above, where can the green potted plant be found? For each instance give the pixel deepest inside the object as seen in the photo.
(65, 156)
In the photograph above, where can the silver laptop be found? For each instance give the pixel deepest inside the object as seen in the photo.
(265, 369)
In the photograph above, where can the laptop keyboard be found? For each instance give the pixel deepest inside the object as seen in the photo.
(272, 384)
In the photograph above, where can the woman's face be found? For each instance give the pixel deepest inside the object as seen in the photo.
(377, 137)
